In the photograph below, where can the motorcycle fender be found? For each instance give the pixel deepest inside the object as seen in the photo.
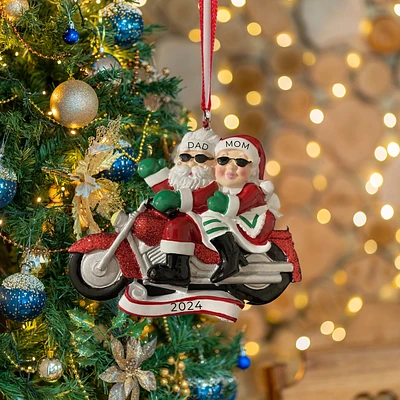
(102, 241)
(283, 239)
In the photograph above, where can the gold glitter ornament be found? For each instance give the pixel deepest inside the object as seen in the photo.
(50, 369)
(74, 104)
(15, 9)
(37, 261)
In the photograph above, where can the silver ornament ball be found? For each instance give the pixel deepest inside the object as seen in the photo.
(104, 62)
(15, 9)
(50, 369)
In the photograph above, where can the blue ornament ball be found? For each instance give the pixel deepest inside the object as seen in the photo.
(8, 185)
(243, 361)
(22, 297)
(71, 36)
(123, 168)
(206, 389)
(127, 21)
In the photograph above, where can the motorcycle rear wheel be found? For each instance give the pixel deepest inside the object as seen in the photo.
(85, 289)
(266, 293)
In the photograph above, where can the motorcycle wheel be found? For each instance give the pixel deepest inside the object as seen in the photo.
(110, 290)
(265, 293)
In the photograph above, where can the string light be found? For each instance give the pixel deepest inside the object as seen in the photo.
(225, 76)
(320, 183)
(238, 3)
(254, 29)
(397, 262)
(313, 149)
(359, 219)
(38, 200)
(355, 304)
(370, 246)
(387, 211)
(380, 153)
(194, 35)
(284, 40)
(327, 327)
(370, 189)
(323, 216)
(308, 58)
(390, 120)
(252, 348)
(253, 98)
(273, 168)
(316, 116)
(303, 343)
(215, 102)
(223, 15)
(339, 90)
(353, 60)
(393, 149)
(231, 121)
(376, 179)
(338, 334)
(285, 83)
(340, 277)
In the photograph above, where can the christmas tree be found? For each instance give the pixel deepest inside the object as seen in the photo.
(81, 103)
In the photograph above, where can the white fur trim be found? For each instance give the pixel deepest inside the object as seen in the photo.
(186, 199)
(233, 206)
(267, 186)
(158, 177)
(274, 205)
(235, 143)
(172, 247)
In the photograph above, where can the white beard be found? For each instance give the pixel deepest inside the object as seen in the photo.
(179, 177)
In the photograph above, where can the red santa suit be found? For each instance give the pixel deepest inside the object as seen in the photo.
(251, 210)
(182, 233)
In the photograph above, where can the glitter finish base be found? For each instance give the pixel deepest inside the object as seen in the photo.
(7, 191)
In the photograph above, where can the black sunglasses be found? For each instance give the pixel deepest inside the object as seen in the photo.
(240, 162)
(199, 158)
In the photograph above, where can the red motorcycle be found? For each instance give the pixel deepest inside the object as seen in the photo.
(102, 265)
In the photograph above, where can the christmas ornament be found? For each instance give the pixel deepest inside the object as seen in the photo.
(8, 184)
(15, 9)
(243, 361)
(50, 369)
(206, 389)
(104, 62)
(71, 35)
(127, 376)
(175, 381)
(93, 192)
(127, 21)
(171, 248)
(74, 104)
(22, 296)
(123, 168)
(37, 261)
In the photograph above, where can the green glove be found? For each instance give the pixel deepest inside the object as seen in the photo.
(218, 203)
(150, 166)
(166, 200)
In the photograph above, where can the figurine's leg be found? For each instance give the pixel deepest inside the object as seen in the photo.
(179, 238)
(223, 240)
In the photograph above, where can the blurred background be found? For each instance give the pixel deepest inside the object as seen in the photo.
(317, 81)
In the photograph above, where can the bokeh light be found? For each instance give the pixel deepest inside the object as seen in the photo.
(223, 15)
(359, 219)
(339, 90)
(284, 39)
(313, 149)
(355, 304)
(253, 98)
(376, 179)
(327, 327)
(308, 58)
(390, 120)
(370, 246)
(323, 216)
(225, 76)
(387, 211)
(316, 116)
(273, 168)
(215, 102)
(319, 182)
(303, 343)
(194, 35)
(393, 149)
(238, 3)
(285, 83)
(338, 334)
(252, 348)
(254, 28)
(353, 60)
(231, 121)
(380, 153)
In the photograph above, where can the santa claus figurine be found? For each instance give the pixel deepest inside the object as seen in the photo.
(245, 204)
(186, 187)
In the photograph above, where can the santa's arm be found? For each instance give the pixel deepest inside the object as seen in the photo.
(159, 180)
(250, 197)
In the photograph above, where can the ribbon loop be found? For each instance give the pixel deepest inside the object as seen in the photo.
(208, 24)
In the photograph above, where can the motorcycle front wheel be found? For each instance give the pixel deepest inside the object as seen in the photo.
(263, 294)
(91, 283)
